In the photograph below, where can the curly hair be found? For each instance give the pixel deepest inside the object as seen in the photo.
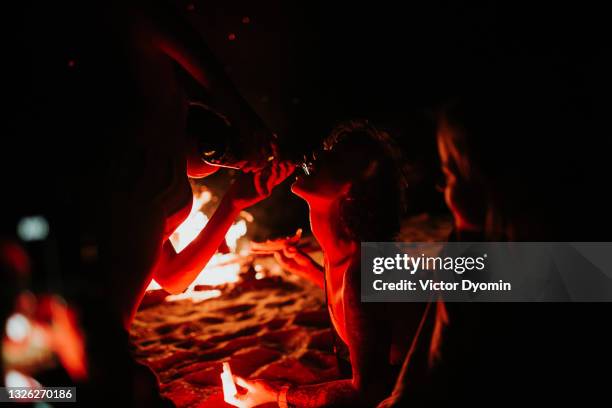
(373, 208)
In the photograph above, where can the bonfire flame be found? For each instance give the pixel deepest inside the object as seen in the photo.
(229, 387)
(222, 268)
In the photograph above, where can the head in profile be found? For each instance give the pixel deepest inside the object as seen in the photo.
(465, 184)
(357, 181)
(504, 164)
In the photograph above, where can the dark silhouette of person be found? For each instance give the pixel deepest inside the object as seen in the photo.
(102, 118)
(508, 162)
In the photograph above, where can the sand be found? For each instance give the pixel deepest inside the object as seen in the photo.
(274, 328)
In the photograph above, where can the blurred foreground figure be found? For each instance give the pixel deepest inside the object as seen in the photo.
(104, 118)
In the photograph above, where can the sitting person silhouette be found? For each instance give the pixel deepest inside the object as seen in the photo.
(354, 190)
(498, 188)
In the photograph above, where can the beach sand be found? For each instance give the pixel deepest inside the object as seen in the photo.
(274, 328)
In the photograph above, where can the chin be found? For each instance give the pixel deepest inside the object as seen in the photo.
(296, 186)
(301, 188)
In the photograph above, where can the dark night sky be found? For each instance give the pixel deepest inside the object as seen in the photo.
(305, 65)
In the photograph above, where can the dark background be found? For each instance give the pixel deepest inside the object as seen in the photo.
(305, 66)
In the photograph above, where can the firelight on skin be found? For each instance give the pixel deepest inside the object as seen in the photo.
(355, 160)
(175, 270)
(151, 152)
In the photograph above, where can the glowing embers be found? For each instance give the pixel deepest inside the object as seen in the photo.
(195, 296)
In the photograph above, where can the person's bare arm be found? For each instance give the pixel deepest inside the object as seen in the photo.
(175, 272)
(369, 338)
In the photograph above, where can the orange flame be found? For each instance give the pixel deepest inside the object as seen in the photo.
(222, 268)
(229, 387)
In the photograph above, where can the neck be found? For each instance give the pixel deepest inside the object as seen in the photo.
(323, 222)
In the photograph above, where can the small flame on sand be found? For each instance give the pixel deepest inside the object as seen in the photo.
(196, 297)
(193, 224)
(229, 387)
(222, 268)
